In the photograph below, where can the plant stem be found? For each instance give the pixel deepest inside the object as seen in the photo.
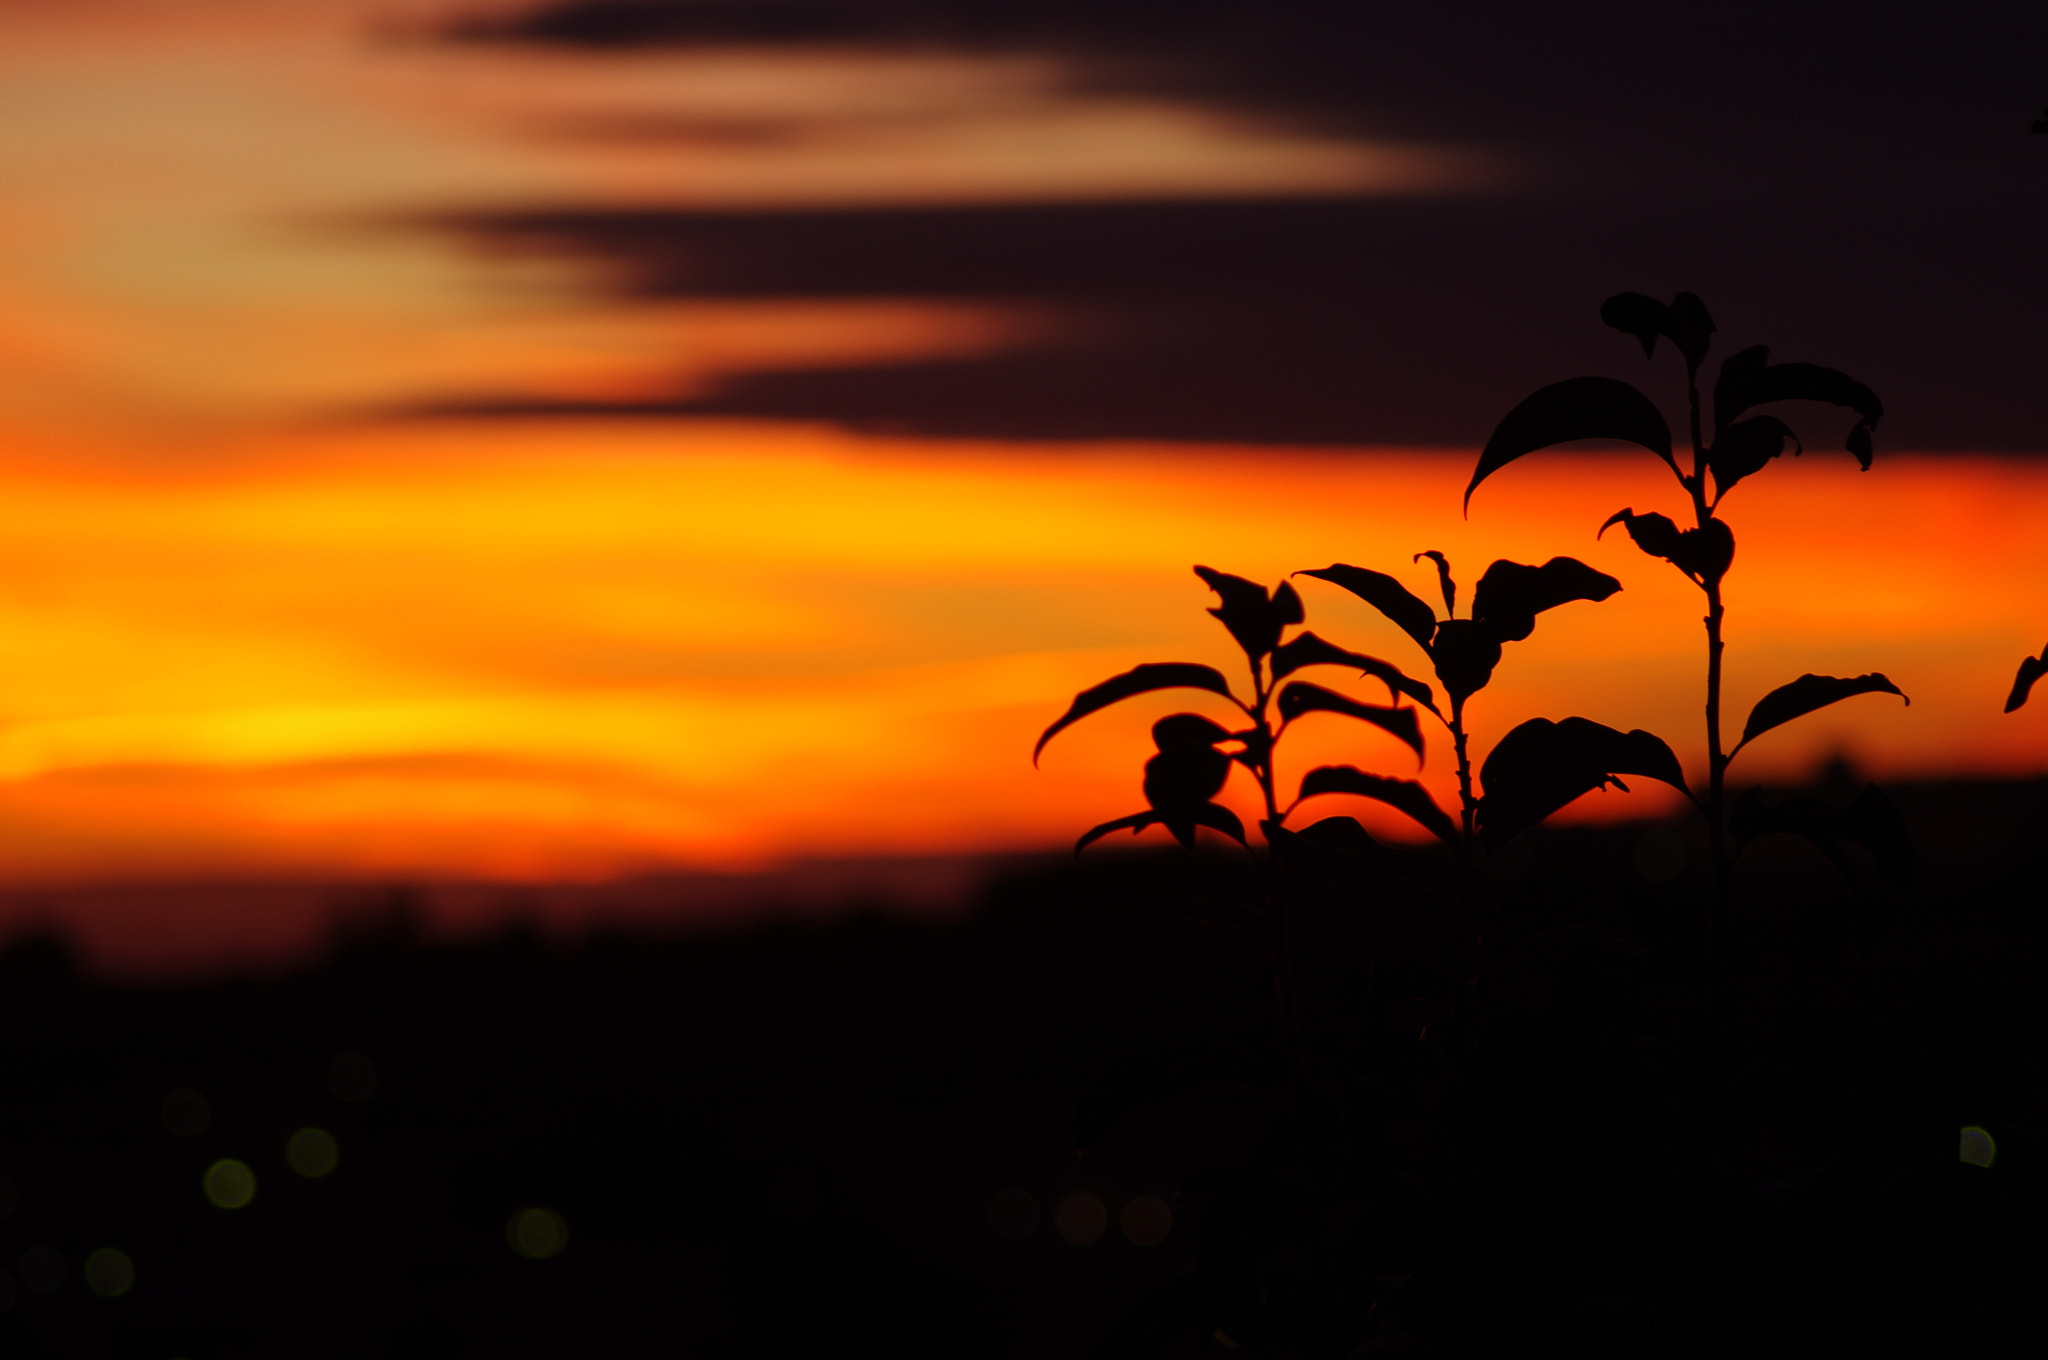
(1717, 772)
(1717, 762)
(1285, 985)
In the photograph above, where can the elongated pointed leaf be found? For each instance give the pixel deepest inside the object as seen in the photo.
(1309, 650)
(1806, 694)
(1154, 675)
(1134, 823)
(1541, 765)
(1511, 595)
(1870, 820)
(1577, 408)
(2031, 669)
(1302, 697)
(1403, 795)
(1385, 594)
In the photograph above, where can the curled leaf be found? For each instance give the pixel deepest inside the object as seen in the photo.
(1744, 448)
(1253, 617)
(1443, 579)
(1577, 408)
(1134, 823)
(2031, 669)
(1704, 553)
(1306, 649)
(1871, 820)
(1404, 795)
(1303, 697)
(1803, 696)
(1750, 379)
(1143, 679)
(1385, 594)
(1541, 765)
(1511, 595)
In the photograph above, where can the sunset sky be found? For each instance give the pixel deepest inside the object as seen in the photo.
(524, 441)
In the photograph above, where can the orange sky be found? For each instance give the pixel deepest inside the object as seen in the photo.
(243, 639)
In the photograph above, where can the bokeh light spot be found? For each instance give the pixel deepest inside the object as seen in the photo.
(186, 1113)
(312, 1152)
(109, 1272)
(43, 1270)
(1146, 1221)
(1978, 1147)
(229, 1184)
(1013, 1213)
(1081, 1220)
(352, 1077)
(537, 1233)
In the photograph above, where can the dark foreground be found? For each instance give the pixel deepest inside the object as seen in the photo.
(1057, 1127)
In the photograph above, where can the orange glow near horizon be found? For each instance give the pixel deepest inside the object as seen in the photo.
(245, 644)
(579, 652)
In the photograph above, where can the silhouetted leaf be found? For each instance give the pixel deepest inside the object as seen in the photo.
(1690, 328)
(1803, 696)
(1465, 654)
(1306, 649)
(1745, 446)
(1404, 795)
(1287, 604)
(1385, 594)
(1338, 837)
(1703, 554)
(1634, 314)
(2031, 669)
(1749, 379)
(1303, 697)
(1511, 595)
(1134, 823)
(1143, 679)
(1252, 617)
(1179, 779)
(1540, 766)
(1871, 820)
(1443, 579)
(1684, 320)
(1217, 818)
(1577, 408)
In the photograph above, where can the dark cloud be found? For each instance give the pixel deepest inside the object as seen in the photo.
(1582, 71)
(1330, 322)
(1853, 184)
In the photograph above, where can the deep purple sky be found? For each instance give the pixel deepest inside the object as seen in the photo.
(1853, 184)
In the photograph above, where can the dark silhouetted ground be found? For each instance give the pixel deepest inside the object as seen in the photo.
(880, 1134)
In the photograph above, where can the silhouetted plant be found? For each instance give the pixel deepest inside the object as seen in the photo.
(1527, 776)
(1191, 766)
(1743, 443)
